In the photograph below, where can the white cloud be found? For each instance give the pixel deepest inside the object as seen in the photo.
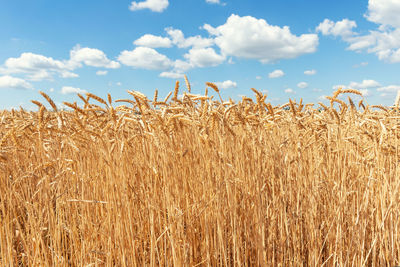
(72, 90)
(119, 83)
(36, 67)
(153, 5)
(68, 74)
(204, 57)
(258, 77)
(276, 74)
(178, 38)
(364, 84)
(9, 82)
(145, 58)
(310, 72)
(361, 86)
(389, 89)
(215, 2)
(91, 57)
(51, 89)
(153, 41)
(248, 37)
(101, 72)
(302, 85)
(226, 84)
(385, 12)
(341, 28)
(365, 92)
(289, 91)
(383, 42)
(41, 75)
(182, 66)
(172, 75)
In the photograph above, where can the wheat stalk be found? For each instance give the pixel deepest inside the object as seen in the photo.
(49, 100)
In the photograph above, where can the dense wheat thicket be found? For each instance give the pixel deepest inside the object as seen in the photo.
(194, 181)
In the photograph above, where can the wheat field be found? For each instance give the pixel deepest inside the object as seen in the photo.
(196, 180)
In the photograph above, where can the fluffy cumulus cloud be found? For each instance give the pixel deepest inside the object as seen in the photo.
(90, 57)
(31, 62)
(204, 57)
(302, 85)
(153, 5)
(310, 72)
(248, 37)
(385, 12)
(9, 82)
(153, 41)
(384, 42)
(365, 92)
(72, 90)
(389, 88)
(276, 74)
(182, 66)
(341, 28)
(145, 58)
(178, 39)
(101, 72)
(213, 1)
(171, 75)
(68, 74)
(289, 91)
(226, 84)
(365, 84)
(37, 67)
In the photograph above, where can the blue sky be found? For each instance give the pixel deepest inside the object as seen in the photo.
(288, 48)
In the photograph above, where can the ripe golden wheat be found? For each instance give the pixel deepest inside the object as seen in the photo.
(193, 181)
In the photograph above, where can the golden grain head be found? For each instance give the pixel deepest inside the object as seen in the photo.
(213, 86)
(52, 104)
(97, 98)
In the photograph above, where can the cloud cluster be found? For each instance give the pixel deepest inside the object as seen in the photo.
(9, 82)
(383, 42)
(226, 84)
(251, 38)
(242, 37)
(310, 72)
(153, 41)
(35, 67)
(213, 1)
(101, 72)
(276, 74)
(365, 84)
(153, 5)
(365, 87)
(302, 85)
(90, 57)
(343, 28)
(289, 91)
(145, 58)
(72, 90)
